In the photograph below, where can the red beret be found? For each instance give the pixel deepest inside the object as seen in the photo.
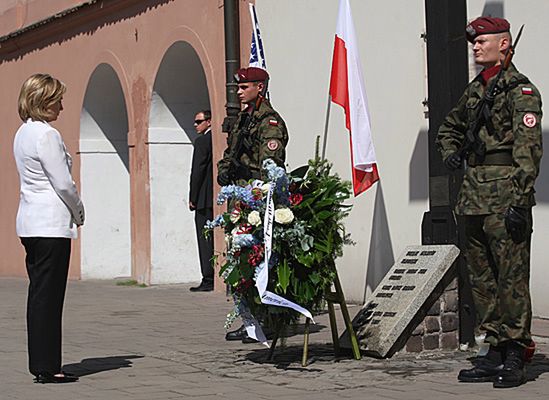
(251, 74)
(486, 25)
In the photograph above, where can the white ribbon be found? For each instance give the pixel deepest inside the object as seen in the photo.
(253, 328)
(268, 297)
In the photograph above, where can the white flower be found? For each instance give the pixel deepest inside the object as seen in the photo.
(265, 188)
(284, 216)
(257, 184)
(254, 218)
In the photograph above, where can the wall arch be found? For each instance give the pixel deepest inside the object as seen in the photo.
(180, 90)
(105, 177)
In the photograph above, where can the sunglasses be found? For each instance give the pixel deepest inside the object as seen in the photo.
(198, 121)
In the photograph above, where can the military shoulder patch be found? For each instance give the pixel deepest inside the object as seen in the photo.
(527, 90)
(529, 120)
(272, 144)
(273, 122)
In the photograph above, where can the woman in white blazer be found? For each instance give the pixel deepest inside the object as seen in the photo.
(50, 210)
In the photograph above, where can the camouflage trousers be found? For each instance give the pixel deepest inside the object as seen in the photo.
(499, 271)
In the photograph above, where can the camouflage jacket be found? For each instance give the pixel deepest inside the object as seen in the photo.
(516, 116)
(267, 139)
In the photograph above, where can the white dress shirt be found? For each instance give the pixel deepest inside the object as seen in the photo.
(49, 204)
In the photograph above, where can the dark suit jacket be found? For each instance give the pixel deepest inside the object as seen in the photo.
(201, 187)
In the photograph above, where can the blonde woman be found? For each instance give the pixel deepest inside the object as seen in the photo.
(50, 210)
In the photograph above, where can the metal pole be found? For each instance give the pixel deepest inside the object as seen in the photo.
(232, 61)
(324, 142)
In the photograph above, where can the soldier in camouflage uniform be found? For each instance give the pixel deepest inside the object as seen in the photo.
(495, 202)
(267, 136)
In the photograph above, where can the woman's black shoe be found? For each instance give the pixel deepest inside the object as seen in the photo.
(46, 377)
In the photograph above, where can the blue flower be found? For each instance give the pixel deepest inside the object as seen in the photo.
(244, 240)
(218, 221)
(278, 175)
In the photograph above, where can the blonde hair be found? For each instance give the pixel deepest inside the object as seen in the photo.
(38, 93)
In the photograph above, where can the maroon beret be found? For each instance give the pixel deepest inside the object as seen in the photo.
(251, 74)
(486, 25)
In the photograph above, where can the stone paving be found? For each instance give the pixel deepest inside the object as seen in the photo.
(164, 342)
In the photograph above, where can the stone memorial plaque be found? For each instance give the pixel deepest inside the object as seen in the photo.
(400, 296)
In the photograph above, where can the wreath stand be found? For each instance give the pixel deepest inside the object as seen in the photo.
(336, 297)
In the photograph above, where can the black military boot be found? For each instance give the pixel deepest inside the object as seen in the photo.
(486, 369)
(513, 373)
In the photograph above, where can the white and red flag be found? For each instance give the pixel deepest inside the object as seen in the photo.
(347, 90)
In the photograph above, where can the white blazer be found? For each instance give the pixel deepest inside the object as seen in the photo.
(49, 204)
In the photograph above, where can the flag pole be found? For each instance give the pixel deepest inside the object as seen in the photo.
(324, 142)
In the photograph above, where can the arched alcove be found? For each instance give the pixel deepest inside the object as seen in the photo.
(105, 179)
(180, 91)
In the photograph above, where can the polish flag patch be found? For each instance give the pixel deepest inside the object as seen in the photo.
(527, 90)
(529, 120)
(273, 122)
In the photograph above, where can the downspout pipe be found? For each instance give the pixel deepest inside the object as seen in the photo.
(232, 61)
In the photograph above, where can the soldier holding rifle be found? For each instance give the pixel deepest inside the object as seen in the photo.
(494, 132)
(258, 134)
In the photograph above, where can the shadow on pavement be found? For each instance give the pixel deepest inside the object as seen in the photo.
(89, 366)
(538, 366)
(299, 329)
(284, 356)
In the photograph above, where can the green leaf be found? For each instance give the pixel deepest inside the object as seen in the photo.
(234, 277)
(284, 273)
(314, 278)
(324, 215)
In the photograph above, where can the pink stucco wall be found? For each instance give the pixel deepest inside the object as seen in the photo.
(130, 36)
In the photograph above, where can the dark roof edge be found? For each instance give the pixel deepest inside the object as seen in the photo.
(47, 20)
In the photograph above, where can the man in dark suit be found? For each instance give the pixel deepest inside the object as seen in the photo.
(200, 195)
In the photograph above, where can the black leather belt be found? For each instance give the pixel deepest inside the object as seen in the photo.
(496, 158)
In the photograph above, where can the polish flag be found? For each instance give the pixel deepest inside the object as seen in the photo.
(347, 90)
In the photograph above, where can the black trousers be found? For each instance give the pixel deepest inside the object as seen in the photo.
(205, 246)
(47, 264)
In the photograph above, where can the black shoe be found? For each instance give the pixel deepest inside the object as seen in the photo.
(513, 373)
(247, 339)
(237, 334)
(486, 369)
(203, 287)
(481, 373)
(47, 377)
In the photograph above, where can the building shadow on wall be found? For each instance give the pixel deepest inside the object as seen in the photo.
(105, 109)
(181, 86)
(419, 168)
(381, 257)
(84, 18)
(494, 8)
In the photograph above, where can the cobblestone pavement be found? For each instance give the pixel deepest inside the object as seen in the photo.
(164, 342)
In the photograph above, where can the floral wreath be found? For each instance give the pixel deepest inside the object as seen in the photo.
(293, 259)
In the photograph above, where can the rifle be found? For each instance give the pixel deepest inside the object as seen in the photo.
(236, 169)
(472, 142)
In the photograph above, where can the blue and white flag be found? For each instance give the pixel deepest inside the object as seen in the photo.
(257, 56)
